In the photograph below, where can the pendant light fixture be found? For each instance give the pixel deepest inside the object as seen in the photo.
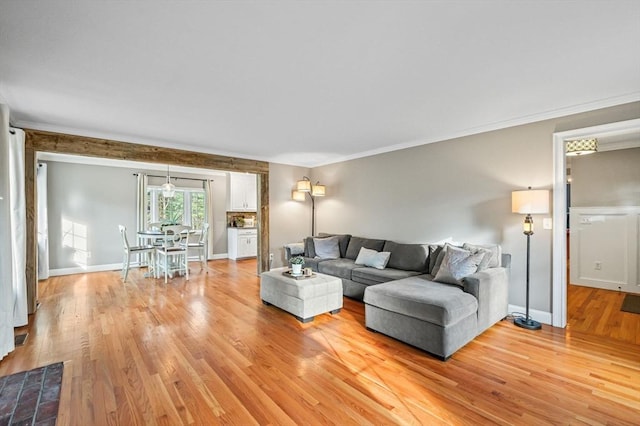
(168, 189)
(582, 147)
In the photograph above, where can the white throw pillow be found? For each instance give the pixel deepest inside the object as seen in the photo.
(456, 264)
(327, 248)
(372, 258)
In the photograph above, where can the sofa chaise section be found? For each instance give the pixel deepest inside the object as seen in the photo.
(437, 317)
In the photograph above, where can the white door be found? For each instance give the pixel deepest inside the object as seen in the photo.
(604, 248)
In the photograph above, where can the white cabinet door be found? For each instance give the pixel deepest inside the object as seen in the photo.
(251, 192)
(242, 192)
(242, 243)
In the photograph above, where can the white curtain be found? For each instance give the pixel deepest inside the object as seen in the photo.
(18, 226)
(141, 201)
(208, 194)
(43, 221)
(6, 274)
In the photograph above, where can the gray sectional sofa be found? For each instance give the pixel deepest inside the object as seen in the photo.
(405, 301)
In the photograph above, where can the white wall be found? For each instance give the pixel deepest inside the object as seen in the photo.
(459, 188)
(609, 178)
(289, 221)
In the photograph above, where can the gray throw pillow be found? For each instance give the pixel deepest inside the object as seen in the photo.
(493, 260)
(327, 248)
(372, 258)
(436, 266)
(456, 264)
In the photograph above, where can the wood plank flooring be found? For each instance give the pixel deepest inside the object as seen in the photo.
(597, 311)
(207, 351)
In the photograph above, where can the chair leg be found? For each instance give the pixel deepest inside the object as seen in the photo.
(126, 267)
(186, 265)
(151, 266)
(166, 268)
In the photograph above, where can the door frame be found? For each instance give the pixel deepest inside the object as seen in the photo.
(559, 282)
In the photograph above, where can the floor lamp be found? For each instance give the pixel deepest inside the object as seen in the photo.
(529, 202)
(303, 187)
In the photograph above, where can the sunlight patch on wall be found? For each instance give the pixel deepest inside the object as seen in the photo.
(74, 237)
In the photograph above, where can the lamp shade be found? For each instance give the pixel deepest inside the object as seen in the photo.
(304, 185)
(318, 190)
(582, 147)
(530, 201)
(297, 195)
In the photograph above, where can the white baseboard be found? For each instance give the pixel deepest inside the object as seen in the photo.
(540, 316)
(114, 266)
(83, 270)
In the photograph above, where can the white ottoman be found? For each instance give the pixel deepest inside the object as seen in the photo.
(304, 298)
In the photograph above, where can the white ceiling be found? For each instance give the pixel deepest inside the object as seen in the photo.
(310, 82)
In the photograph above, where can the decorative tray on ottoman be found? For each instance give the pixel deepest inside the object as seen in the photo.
(298, 277)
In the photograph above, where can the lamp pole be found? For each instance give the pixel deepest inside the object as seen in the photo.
(527, 322)
(313, 214)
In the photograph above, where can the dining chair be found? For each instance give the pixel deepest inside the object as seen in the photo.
(155, 226)
(172, 255)
(200, 246)
(130, 250)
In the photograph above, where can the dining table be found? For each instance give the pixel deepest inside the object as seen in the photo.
(155, 237)
(151, 236)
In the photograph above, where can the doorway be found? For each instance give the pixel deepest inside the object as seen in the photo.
(560, 279)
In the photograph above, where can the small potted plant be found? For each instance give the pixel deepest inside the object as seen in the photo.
(296, 265)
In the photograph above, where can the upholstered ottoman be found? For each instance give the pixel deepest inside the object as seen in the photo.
(304, 298)
(438, 318)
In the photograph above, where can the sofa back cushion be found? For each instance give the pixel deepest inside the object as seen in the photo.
(356, 243)
(343, 242)
(309, 248)
(408, 257)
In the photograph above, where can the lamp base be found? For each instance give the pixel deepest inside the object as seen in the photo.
(529, 324)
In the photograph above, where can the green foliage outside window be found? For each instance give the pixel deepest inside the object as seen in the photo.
(171, 211)
(198, 210)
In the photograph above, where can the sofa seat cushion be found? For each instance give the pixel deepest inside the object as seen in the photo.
(313, 262)
(340, 268)
(417, 297)
(372, 276)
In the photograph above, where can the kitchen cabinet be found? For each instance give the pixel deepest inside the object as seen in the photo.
(243, 194)
(242, 243)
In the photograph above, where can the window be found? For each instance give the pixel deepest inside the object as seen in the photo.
(186, 207)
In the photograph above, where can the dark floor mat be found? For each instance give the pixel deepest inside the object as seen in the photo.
(631, 304)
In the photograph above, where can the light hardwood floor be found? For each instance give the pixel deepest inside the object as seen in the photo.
(207, 351)
(597, 311)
